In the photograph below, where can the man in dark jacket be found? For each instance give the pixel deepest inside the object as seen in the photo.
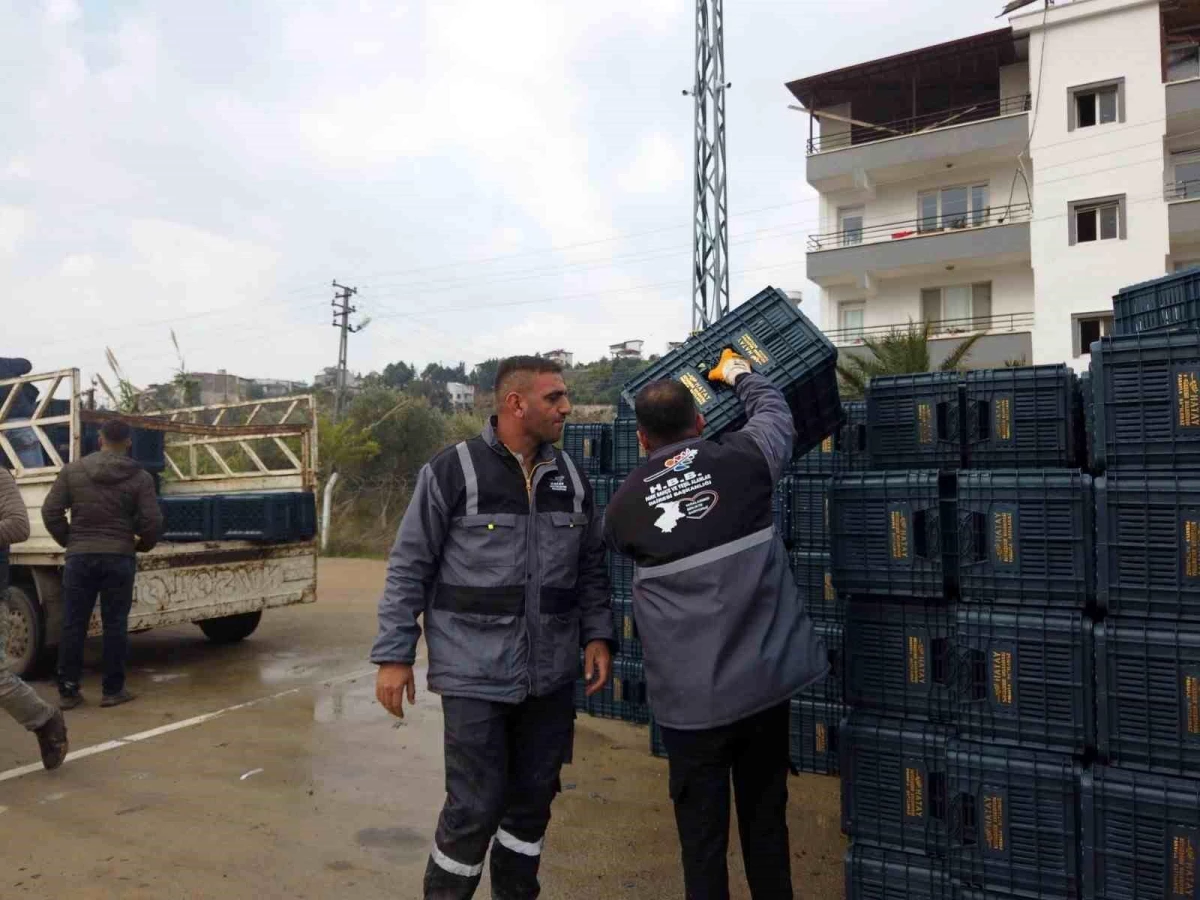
(114, 516)
(24, 440)
(500, 555)
(726, 638)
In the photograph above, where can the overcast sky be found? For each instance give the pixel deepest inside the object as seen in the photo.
(496, 176)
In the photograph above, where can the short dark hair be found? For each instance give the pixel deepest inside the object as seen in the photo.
(514, 365)
(665, 411)
(114, 431)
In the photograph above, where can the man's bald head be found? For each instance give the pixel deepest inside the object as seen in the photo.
(666, 414)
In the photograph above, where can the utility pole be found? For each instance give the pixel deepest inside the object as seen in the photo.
(341, 320)
(710, 226)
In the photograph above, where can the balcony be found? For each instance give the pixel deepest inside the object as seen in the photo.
(1183, 212)
(914, 246)
(863, 133)
(1005, 338)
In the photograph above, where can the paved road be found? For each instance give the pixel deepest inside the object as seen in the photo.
(265, 770)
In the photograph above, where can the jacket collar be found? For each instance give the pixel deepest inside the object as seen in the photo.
(663, 452)
(544, 452)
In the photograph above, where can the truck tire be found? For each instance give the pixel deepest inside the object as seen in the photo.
(26, 634)
(230, 629)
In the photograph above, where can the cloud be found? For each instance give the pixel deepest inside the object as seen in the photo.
(659, 165)
(14, 223)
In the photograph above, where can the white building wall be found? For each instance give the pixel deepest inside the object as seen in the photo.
(1014, 80)
(1090, 41)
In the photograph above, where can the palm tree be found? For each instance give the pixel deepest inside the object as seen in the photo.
(897, 353)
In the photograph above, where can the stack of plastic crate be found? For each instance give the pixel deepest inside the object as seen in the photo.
(963, 563)
(1141, 801)
(817, 712)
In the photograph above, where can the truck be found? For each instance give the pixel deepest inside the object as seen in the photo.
(223, 586)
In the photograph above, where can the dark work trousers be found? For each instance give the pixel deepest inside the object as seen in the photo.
(88, 575)
(502, 765)
(755, 751)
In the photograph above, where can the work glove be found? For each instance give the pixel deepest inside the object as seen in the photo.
(729, 368)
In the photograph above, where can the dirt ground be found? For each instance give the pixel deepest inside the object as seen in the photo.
(266, 770)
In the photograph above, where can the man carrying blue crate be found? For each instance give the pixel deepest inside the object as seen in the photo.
(726, 638)
(500, 554)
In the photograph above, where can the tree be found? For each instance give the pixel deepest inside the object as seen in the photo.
(398, 375)
(432, 392)
(483, 376)
(897, 353)
(442, 374)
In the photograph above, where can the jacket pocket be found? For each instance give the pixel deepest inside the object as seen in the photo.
(479, 546)
(560, 538)
(558, 649)
(475, 647)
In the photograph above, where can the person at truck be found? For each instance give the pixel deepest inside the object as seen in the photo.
(24, 440)
(726, 638)
(17, 698)
(500, 556)
(114, 516)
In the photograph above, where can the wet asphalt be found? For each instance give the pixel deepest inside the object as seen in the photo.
(266, 770)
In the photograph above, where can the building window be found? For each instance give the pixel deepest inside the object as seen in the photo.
(959, 307)
(1185, 169)
(1096, 104)
(850, 319)
(1089, 328)
(1183, 60)
(850, 224)
(952, 207)
(1102, 219)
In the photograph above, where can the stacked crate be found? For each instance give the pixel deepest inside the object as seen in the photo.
(963, 561)
(803, 522)
(1141, 801)
(601, 452)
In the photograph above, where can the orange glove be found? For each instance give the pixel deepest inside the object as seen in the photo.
(729, 368)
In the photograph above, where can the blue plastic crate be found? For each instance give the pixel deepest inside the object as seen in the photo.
(148, 448)
(187, 519)
(1148, 694)
(1141, 835)
(1146, 391)
(604, 488)
(1025, 678)
(813, 731)
(894, 783)
(255, 517)
(1014, 820)
(781, 344)
(589, 445)
(886, 533)
(915, 421)
(1169, 303)
(628, 643)
(877, 873)
(627, 453)
(814, 581)
(830, 689)
(809, 509)
(781, 509)
(657, 747)
(624, 697)
(1021, 417)
(305, 515)
(1026, 538)
(620, 574)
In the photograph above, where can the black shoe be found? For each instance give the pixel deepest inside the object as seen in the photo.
(70, 701)
(52, 741)
(121, 696)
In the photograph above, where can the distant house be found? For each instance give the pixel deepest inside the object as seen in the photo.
(327, 379)
(462, 396)
(220, 387)
(270, 388)
(626, 350)
(562, 357)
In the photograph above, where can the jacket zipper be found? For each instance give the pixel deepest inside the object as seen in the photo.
(530, 539)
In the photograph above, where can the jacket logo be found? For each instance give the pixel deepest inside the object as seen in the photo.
(558, 483)
(680, 462)
(697, 506)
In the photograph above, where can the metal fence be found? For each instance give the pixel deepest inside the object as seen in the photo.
(920, 227)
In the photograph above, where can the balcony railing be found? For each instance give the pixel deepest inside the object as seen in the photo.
(1182, 190)
(869, 133)
(922, 227)
(1007, 323)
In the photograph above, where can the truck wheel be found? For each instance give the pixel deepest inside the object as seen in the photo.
(230, 629)
(26, 635)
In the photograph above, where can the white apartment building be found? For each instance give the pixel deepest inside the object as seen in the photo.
(462, 396)
(1009, 182)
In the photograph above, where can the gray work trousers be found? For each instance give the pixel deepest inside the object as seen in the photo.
(502, 768)
(17, 698)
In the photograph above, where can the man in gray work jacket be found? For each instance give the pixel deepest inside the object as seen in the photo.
(500, 553)
(726, 638)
